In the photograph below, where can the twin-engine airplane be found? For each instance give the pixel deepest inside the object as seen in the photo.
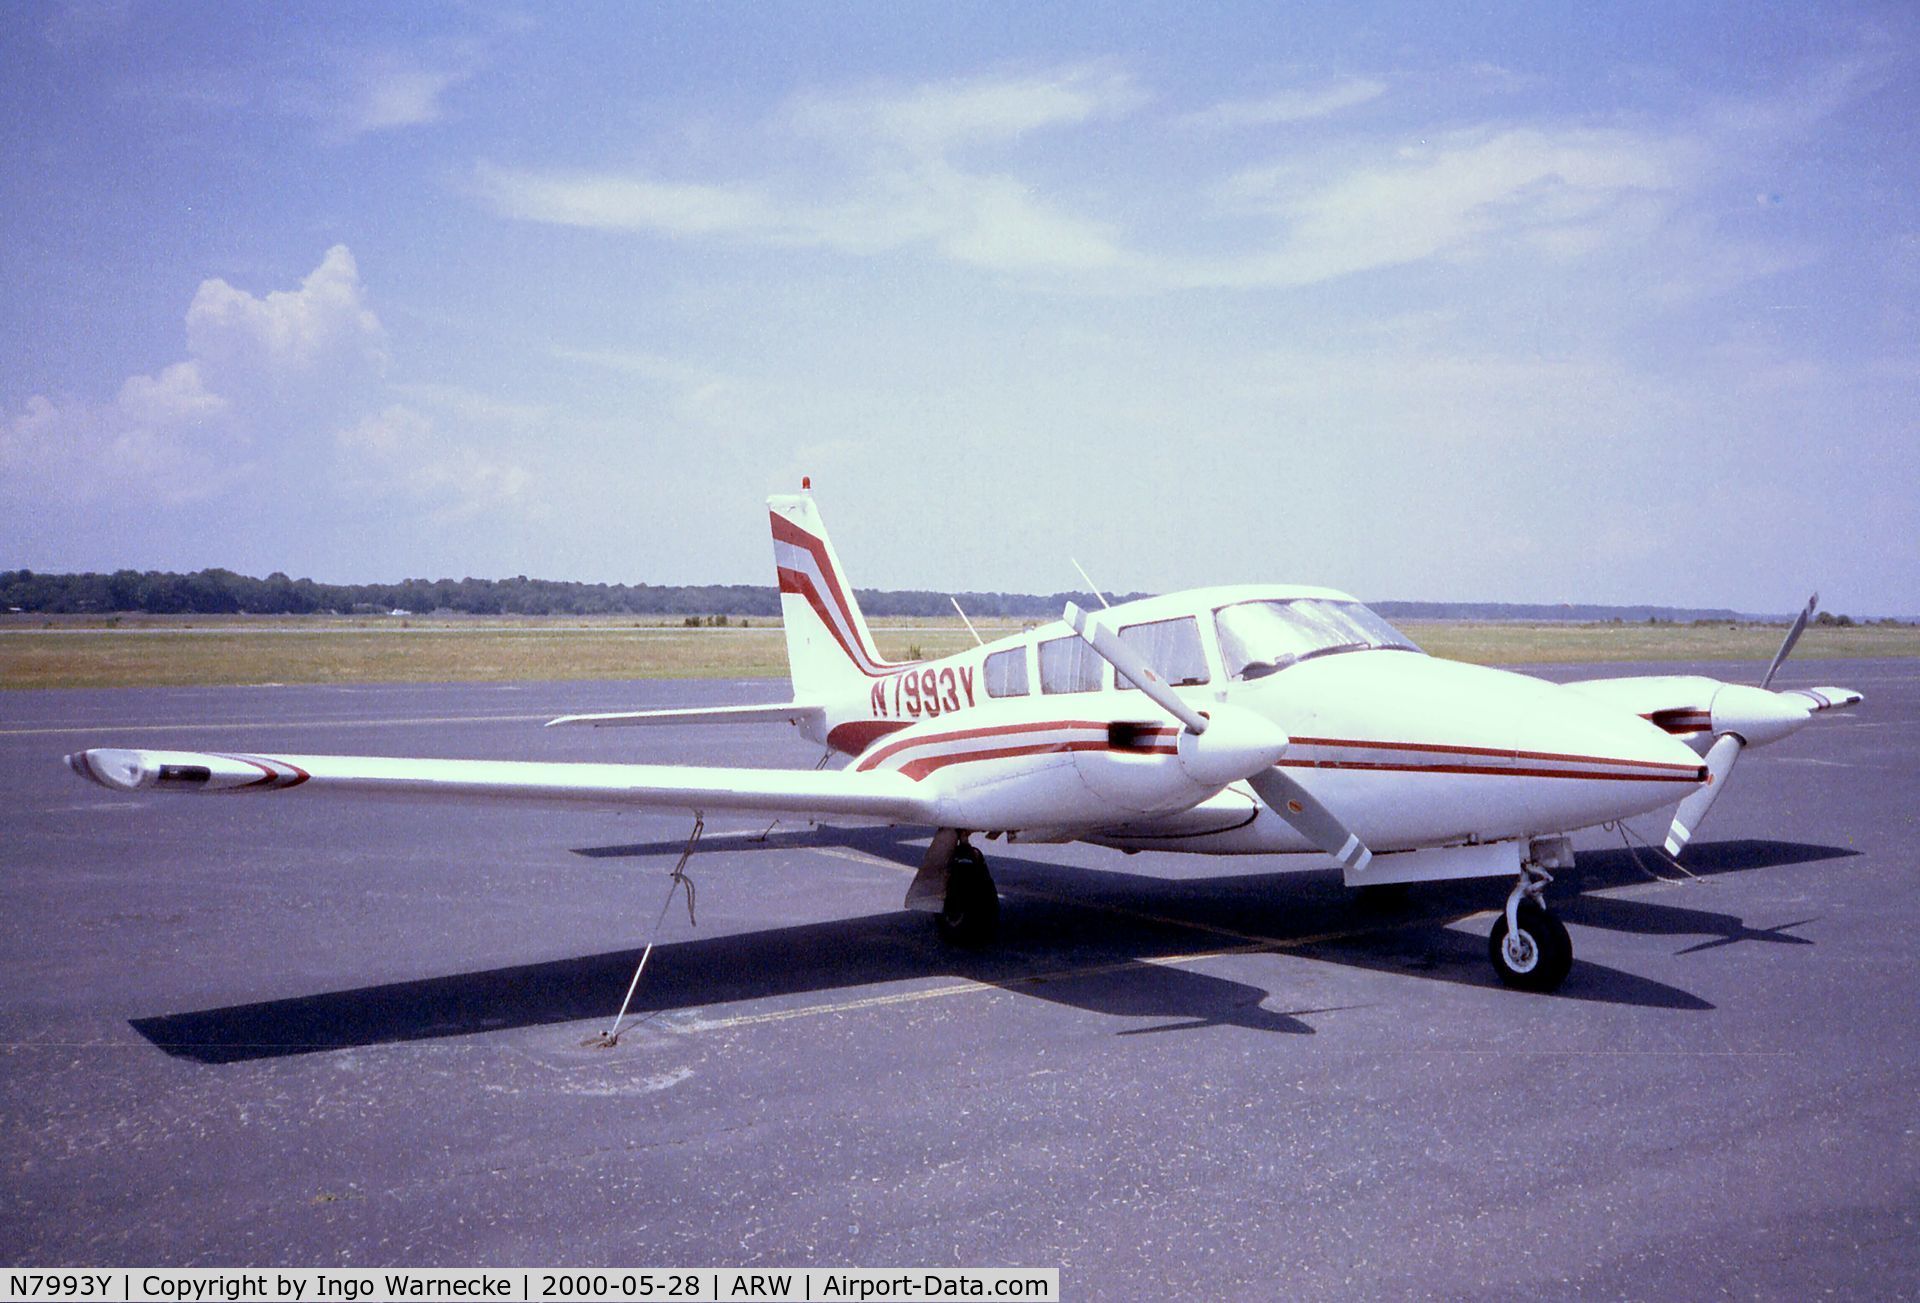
(1254, 720)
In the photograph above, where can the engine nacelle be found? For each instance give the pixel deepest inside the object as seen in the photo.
(1756, 715)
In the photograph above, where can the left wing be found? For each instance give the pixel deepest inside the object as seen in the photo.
(879, 794)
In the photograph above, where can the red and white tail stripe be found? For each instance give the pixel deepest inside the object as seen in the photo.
(829, 648)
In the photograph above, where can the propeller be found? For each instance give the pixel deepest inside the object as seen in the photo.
(1720, 757)
(1228, 745)
(1793, 636)
(1741, 716)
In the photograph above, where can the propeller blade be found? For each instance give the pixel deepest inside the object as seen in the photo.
(1720, 758)
(1312, 820)
(1793, 636)
(1132, 664)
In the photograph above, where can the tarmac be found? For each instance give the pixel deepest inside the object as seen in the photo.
(299, 1029)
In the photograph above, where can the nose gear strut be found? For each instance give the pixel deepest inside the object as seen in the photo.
(1529, 947)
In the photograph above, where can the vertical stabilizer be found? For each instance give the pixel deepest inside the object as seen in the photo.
(829, 649)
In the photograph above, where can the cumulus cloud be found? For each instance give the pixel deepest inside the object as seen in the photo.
(324, 328)
(292, 363)
(186, 432)
(163, 439)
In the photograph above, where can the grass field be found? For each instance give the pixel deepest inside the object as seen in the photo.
(157, 651)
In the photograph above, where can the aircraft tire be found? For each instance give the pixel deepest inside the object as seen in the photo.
(1549, 953)
(971, 914)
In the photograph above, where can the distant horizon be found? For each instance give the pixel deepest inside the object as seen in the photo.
(1536, 610)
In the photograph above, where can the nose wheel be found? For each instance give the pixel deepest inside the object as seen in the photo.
(1529, 947)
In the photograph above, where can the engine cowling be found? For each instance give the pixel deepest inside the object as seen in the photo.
(1756, 715)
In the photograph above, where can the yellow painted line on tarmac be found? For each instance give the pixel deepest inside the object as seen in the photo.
(1250, 945)
(863, 857)
(972, 986)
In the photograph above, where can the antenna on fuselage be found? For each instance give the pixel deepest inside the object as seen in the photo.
(1091, 586)
(978, 640)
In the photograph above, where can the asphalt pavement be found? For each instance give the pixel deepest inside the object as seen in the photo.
(301, 1029)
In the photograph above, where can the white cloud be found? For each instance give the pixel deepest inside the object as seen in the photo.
(391, 91)
(941, 116)
(399, 451)
(879, 169)
(288, 364)
(1300, 104)
(358, 93)
(186, 433)
(323, 328)
(984, 220)
(892, 183)
(612, 201)
(163, 440)
(1562, 188)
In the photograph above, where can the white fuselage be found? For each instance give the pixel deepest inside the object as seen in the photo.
(1413, 751)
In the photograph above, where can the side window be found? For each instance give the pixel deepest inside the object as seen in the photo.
(1170, 646)
(1069, 665)
(1006, 674)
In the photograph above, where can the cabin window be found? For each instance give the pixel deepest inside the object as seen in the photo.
(1170, 646)
(1006, 673)
(1069, 665)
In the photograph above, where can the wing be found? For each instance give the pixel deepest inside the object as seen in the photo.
(786, 712)
(878, 794)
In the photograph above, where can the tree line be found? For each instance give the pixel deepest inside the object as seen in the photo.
(223, 592)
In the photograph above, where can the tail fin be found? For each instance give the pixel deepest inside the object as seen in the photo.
(829, 649)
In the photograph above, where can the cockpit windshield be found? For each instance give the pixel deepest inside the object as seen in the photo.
(1257, 638)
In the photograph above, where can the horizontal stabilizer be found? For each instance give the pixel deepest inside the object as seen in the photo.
(788, 712)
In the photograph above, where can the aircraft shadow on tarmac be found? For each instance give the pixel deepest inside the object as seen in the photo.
(1105, 941)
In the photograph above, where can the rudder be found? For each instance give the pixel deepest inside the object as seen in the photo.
(829, 650)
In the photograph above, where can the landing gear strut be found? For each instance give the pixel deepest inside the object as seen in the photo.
(953, 885)
(1529, 947)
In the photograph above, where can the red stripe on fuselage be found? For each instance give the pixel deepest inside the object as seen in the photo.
(994, 730)
(921, 766)
(1499, 752)
(919, 769)
(1695, 775)
(857, 735)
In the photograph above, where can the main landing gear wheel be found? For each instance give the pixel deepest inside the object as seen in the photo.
(1537, 956)
(971, 913)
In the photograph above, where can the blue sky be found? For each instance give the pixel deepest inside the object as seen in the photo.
(1500, 303)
